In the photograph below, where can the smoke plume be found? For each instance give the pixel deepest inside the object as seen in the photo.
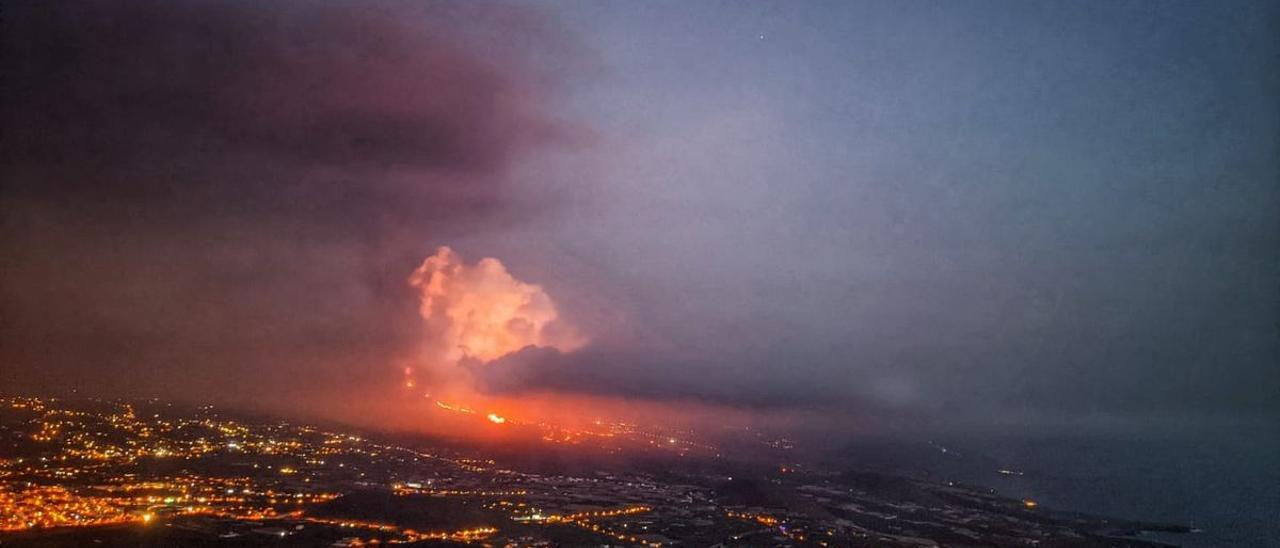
(198, 193)
(477, 313)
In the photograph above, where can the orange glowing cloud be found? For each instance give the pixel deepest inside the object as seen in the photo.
(481, 312)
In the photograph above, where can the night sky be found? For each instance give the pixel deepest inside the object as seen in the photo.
(1039, 211)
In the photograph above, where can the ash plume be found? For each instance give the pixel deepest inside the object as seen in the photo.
(478, 313)
(198, 193)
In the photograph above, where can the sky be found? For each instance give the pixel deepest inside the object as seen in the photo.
(944, 211)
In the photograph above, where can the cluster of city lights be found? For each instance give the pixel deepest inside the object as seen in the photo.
(403, 534)
(94, 467)
(99, 463)
(417, 489)
(771, 521)
(584, 520)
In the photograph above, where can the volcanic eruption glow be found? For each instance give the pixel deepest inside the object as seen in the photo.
(476, 313)
(481, 312)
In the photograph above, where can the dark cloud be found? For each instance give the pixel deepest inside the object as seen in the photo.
(1045, 209)
(145, 100)
(197, 193)
(637, 371)
(990, 212)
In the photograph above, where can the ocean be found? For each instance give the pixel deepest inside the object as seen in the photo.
(1225, 482)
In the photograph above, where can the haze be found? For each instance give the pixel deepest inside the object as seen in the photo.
(951, 214)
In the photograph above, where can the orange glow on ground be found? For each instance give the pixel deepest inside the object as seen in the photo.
(452, 409)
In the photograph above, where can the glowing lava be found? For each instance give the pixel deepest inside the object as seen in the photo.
(496, 419)
(454, 408)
